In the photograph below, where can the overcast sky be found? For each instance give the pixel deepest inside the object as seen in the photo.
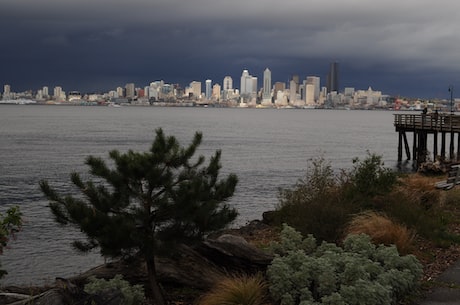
(403, 47)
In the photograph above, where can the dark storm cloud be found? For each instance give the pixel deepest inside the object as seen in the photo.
(391, 45)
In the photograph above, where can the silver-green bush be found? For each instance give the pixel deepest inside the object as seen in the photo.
(360, 273)
(132, 294)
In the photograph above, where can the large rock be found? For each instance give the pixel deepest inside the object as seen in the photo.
(197, 267)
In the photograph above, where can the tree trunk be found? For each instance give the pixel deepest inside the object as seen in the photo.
(157, 294)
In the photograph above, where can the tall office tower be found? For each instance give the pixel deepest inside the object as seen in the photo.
(267, 89)
(228, 83)
(333, 78)
(292, 91)
(45, 91)
(253, 85)
(196, 88)
(245, 84)
(208, 89)
(130, 90)
(315, 81)
(296, 79)
(216, 92)
(310, 94)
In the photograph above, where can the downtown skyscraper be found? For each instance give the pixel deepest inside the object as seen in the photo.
(267, 88)
(333, 78)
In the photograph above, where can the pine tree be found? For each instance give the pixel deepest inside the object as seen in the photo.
(147, 202)
(10, 224)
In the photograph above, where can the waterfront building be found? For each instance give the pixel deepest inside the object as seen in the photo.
(45, 92)
(59, 94)
(120, 92)
(333, 78)
(39, 95)
(73, 96)
(6, 92)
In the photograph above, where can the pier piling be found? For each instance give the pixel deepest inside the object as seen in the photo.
(426, 126)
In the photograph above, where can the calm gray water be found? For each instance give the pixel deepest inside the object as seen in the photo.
(266, 148)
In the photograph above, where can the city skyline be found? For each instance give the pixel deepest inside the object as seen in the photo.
(402, 48)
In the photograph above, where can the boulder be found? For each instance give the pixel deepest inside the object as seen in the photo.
(196, 267)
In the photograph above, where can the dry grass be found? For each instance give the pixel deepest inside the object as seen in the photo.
(382, 230)
(238, 290)
(422, 189)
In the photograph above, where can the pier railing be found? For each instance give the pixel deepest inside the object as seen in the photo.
(427, 122)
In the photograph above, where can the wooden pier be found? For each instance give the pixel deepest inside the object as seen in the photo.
(441, 126)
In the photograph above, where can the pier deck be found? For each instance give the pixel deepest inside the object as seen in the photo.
(422, 125)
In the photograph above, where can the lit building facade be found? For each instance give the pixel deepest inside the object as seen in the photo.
(228, 83)
(208, 92)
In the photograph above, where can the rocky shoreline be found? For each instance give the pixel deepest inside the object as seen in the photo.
(197, 267)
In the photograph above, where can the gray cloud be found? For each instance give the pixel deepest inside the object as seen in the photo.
(140, 39)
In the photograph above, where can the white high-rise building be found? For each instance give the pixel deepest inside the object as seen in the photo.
(245, 84)
(228, 83)
(45, 91)
(208, 93)
(267, 89)
(315, 81)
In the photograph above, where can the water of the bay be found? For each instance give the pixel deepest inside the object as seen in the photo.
(266, 148)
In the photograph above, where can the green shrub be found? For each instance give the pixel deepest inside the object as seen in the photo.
(322, 203)
(367, 179)
(315, 204)
(429, 221)
(10, 224)
(359, 273)
(132, 294)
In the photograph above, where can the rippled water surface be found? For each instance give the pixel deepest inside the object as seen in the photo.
(266, 148)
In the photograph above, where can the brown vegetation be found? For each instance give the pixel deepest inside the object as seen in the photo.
(382, 230)
(237, 290)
